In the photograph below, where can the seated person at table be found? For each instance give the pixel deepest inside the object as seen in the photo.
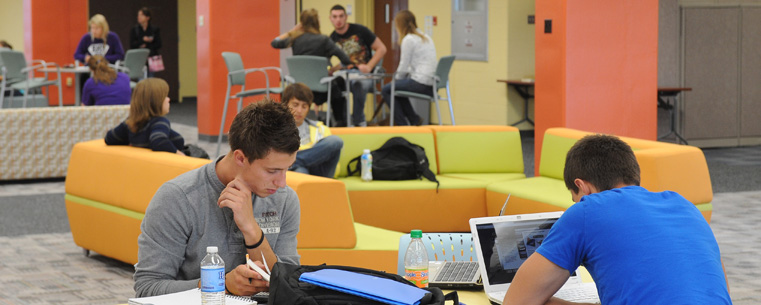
(106, 86)
(359, 43)
(417, 65)
(640, 247)
(319, 151)
(99, 41)
(240, 203)
(146, 125)
(305, 39)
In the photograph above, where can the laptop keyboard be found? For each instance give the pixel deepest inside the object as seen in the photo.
(457, 272)
(586, 292)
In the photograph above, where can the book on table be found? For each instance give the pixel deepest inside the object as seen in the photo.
(188, 297)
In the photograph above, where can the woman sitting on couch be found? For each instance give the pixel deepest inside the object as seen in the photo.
(146, 125)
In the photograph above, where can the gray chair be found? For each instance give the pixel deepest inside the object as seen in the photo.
(312, 71)
(134, 65)
(440, 81)
(16, 75)
(236, 76)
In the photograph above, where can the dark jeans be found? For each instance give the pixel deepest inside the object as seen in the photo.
(321, 159)
(403, 112)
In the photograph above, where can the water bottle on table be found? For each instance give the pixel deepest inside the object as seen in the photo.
(212, 278)
(367, 165)
(416, 260)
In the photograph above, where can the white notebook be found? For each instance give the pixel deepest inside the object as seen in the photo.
(187, 297)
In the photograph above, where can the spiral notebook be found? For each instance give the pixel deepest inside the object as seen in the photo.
(187, 297)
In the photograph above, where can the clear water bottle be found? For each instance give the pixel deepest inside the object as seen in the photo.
(367, 165)
(212, 278)
(416, 260)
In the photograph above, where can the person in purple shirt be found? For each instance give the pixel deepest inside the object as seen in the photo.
(99, 41)
(106, 86)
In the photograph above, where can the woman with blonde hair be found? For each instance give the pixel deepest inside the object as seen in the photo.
(415, 73)
(99, 41)
(305, 39)
(106, 86)
(146, 125)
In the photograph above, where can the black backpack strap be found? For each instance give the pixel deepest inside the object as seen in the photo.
(357, 167)
(452, 296)
(423, 166)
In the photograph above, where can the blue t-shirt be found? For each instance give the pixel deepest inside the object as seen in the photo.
(640, 248)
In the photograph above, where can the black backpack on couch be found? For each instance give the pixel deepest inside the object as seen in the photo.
(397, 159)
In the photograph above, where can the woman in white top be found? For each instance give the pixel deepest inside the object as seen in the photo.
(416, 69)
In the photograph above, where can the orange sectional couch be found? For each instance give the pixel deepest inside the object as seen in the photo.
(109, 187)
(663, 166)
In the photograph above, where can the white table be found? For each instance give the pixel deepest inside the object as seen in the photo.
(350, 75)
(76, 71)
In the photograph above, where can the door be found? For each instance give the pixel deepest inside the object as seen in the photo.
(122, 16)
(384, 12)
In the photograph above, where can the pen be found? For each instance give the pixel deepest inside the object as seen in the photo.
(267, 267)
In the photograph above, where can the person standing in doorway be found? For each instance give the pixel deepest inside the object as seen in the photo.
(145, 35)
(364, 49)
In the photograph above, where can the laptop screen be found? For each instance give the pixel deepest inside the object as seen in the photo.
(506, 245)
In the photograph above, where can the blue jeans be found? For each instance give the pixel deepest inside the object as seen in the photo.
(359, 89)
(404, 114)
(321, 159)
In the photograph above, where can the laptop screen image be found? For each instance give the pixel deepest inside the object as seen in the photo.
(506, 245)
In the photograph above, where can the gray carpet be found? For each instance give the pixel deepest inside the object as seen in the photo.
(33, 214)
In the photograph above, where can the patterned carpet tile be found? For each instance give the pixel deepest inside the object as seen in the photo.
(51, 269)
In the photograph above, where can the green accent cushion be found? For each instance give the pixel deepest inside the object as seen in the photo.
(354, 144)
(487, 177)
(542, 189)
(356, 184)
(704, 207)
(372, 238)
(103, 206)
(554, 150)
(480, 152)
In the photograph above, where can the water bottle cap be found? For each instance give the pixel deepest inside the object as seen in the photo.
(211, 249)
(366, 151)
(416, 233)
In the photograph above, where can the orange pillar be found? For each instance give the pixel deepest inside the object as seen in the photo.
(52, 29)
(597, 71)
(241, 26)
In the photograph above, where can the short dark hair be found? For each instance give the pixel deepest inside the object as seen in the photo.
(602, 160)
(298, 91)
(146, 12)
(4, 43)
(264, 126)
(338, 7)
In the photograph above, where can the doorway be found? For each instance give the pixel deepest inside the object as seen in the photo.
(384, 12)
(122, 17)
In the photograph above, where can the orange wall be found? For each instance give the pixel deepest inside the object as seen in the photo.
(597, 71)
(52, 29)
(242, 26)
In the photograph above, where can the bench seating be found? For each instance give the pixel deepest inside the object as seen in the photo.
(108, 189)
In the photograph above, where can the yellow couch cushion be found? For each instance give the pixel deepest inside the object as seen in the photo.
(478, 149)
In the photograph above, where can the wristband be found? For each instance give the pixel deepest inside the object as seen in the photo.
(257, 244)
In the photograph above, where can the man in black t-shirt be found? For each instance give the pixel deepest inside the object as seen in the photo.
(358, 42)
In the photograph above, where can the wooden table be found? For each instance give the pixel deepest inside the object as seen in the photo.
(524, 89)
(667, 95)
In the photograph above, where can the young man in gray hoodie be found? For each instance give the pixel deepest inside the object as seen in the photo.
(240, 204)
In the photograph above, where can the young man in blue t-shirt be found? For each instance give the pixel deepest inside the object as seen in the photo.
(640, 247)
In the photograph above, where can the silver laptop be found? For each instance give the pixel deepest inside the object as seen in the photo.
(454, 275)
(503, 243)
